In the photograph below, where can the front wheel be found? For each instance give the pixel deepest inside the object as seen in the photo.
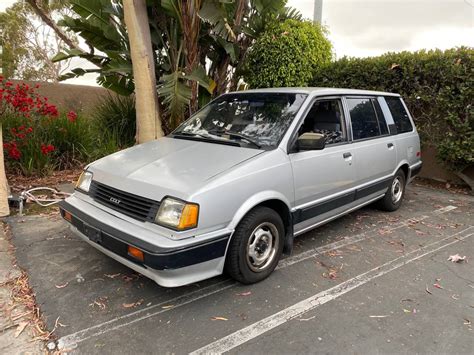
(396, 191)
(256, 246)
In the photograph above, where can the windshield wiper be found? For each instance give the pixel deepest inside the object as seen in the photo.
(191, 134)
(204, 138)
(237, 135)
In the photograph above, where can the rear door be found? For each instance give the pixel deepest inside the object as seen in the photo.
(373, 148)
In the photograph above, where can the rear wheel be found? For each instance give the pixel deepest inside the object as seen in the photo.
(396, 191)
(256, 246)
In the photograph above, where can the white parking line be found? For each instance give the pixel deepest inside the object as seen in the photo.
(256, 329)
(71, 340)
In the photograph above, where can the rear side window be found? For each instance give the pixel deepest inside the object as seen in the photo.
(399, 114)
(363, 118)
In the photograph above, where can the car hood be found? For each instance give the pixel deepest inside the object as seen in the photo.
(168, 166)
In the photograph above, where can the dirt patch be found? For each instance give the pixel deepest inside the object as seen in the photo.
(22, 329)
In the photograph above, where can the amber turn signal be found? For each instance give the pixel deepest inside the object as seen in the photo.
(135, 253)
(189, 216)
(67, 216)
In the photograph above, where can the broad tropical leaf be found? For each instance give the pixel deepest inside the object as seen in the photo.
(214, 12)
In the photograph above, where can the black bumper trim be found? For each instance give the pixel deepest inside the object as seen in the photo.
(157, 258)
(414, 172)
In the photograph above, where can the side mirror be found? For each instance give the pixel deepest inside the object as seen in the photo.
(311, 141)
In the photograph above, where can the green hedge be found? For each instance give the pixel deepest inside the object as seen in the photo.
(438, 87)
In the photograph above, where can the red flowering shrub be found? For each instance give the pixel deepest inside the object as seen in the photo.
(23, 99)
(35, 128)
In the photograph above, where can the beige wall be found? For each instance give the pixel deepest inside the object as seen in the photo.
(80, 98)
(432, 169)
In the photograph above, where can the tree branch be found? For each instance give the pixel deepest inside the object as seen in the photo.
(49, 21)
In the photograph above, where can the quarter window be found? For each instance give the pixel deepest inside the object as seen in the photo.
(399, 114)
(363, 118)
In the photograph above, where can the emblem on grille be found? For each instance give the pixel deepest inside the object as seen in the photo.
(114, 200)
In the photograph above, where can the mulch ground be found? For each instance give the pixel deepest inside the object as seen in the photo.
(19, 183)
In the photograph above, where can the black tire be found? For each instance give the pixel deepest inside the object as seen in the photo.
(239, 263)
(394, 196)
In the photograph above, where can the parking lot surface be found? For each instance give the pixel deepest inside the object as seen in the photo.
(370, 282)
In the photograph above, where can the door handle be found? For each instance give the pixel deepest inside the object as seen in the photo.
(346, 155)
(390, 145)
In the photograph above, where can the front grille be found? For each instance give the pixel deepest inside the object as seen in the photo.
(135, 206)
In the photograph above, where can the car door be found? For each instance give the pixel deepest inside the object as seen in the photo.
(323, 179)
(372, 146)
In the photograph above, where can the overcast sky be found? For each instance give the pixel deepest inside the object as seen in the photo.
(371, 27)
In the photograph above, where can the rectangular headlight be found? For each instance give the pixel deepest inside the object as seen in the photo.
(177, 214)
(84, 181)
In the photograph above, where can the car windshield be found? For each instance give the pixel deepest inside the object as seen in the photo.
(256, 120)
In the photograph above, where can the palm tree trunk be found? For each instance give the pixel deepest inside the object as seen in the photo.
(191, 28)
(148, 117)
(4, 208)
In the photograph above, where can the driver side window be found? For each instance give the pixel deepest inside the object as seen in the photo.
(326, 117)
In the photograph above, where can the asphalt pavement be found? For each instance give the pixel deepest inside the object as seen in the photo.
(370, 282)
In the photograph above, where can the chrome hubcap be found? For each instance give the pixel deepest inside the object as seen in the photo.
(262, 246)
(397, 190)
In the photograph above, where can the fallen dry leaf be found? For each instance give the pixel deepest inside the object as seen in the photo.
(428, 291)
(20, 328)
(248, 293)
(100, 302)
(112, 276)
(219, 318)
(63, 285)
(168, 306)
(457, 258)
(384, 231)
(379, 316)
(132, 305)
(467, 321)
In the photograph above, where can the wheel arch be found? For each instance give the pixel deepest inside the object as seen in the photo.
(275, 201)
(406, 170)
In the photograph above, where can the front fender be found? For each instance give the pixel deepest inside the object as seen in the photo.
(255, 200)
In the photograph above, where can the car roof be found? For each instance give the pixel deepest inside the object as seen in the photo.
(318, 91)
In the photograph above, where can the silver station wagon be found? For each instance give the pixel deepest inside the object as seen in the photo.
(232, 186)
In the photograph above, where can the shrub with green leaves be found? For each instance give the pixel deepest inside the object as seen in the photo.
(115, 121)
(287, 54)
(437, 87)
(37, 147)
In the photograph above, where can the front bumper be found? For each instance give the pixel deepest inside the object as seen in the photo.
(168, 266)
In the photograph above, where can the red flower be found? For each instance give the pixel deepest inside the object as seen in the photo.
(29, 130)
(72, 116)
(46, 149)
(14, 153)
